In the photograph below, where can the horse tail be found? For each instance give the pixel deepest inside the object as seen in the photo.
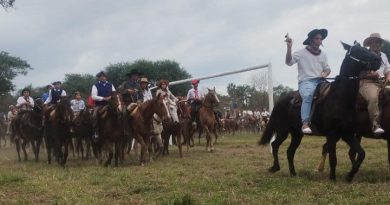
(278, 114)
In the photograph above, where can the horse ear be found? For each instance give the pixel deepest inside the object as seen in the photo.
(356, 43)
(346, 46)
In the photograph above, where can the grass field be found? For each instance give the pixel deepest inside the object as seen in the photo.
(236, 173)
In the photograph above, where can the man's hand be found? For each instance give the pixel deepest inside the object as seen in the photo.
(131, 91)
(325, 73)
(107, 98)
(373, 74)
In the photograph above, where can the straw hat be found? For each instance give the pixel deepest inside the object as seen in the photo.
(373, 37)
(144, 80)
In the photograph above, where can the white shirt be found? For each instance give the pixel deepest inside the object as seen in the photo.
(48, 100)
(385, 66)
(309, 66)
(192, 94)
(20, 103)
(11, 115)
(94, 92)
(147, 95)
(77, 105)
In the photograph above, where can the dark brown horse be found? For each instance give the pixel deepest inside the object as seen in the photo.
(172, 128)
(334, 116)
(82, 132)
(184, 113)
(57, 131)
(141, 120)
(110, 129)
(364, 127)
(27, 128)
(207, 118)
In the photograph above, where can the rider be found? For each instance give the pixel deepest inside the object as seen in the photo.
(10, 116)
(130, 89)
(101, 94)
(77, 104)
(144, 84)
(164, 90)
(55, 94)
(46, 94)
(312, 67)
(194, 97)
(25, 102)
(369, 87)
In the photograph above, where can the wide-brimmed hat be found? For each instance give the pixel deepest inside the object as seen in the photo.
(144, 80)
(159, 83)
(373, 37)
(57, 82)
(134, 72)
(195, 81)
(101, 73)
(311, 34)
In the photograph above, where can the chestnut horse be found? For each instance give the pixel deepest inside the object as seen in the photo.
(207, 118)
(172, 128)
(141, 120)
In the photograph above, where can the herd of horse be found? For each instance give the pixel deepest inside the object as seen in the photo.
(338, 114)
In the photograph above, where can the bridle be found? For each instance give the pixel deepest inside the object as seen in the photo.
(368, 63)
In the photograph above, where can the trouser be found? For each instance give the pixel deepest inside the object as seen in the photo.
(306, 89)
(370, 92)
(195, 106)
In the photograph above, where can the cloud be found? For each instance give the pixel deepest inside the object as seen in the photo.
(205, 37)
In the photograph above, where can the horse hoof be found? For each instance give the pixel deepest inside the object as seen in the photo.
(349, 177)
(274, 169)
(293, 174)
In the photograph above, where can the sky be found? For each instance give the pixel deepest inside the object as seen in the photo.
(205, 36)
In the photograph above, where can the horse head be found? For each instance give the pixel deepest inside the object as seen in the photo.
(211, 99)
(358, 59)
(172, 110)
(160, 107)
(63, 110)
(184, 109)
(115, 103)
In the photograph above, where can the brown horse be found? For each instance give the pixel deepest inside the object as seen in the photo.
(82, 132)
(141, 120)
(184, 113)
(111, 125)
(207, 118)
(27, 127)
(172, 128)
(57, 130)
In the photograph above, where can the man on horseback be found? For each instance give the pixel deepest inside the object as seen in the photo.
(194, 97)
(130, 89)
(55, 94)
(46, 94)
(147, 95)
(101, 94)
(369, 87)
(25, 102)
(312, 68)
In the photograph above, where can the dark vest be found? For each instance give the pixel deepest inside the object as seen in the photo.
(104, 90)
(55, 96)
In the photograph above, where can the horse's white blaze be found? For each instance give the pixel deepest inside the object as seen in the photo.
(173, 112)
(166, 108)
(120, 107)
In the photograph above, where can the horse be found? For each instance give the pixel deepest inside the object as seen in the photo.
(27, 127)
(57, 124)
(141, 119)
(83, 132)
(207, 118)
(172, 127)
(333, 116)
(365, 125)
(3, 131)
(184, 113)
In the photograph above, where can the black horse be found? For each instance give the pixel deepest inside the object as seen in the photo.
(27, 127)
(333, 117)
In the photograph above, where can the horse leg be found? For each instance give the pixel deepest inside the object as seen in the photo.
(280, 137)
(17, 145)
(178, 137)
(321, 164)
(143, 149)
(352, 153)
(296, 138)
(66, 151)
(38, 147)
(216, 137)
(388, 149)
(34, 148)
(208, 139)
(331, 141)
(48, 150)
(117, 152)
(24, 149)
(356, 147)
(110, 153)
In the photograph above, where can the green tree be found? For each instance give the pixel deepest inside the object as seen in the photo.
(7, 3)
(10, 67)
(280, 91)
(79, 82)
(154, 71)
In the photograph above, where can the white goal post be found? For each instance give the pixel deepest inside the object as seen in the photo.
(269, 83)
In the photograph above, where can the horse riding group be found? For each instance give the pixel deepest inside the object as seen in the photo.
(347, 108)
(113, 121)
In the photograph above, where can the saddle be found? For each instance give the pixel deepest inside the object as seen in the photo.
(320, 94)
(132, 108)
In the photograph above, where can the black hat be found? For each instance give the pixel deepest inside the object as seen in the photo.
(311, 34)
(134, 72)
(101, 73)
(56, 82)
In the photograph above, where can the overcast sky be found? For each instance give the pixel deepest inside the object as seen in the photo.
(204, 36)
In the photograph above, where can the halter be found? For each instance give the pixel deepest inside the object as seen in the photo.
(357, 59)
